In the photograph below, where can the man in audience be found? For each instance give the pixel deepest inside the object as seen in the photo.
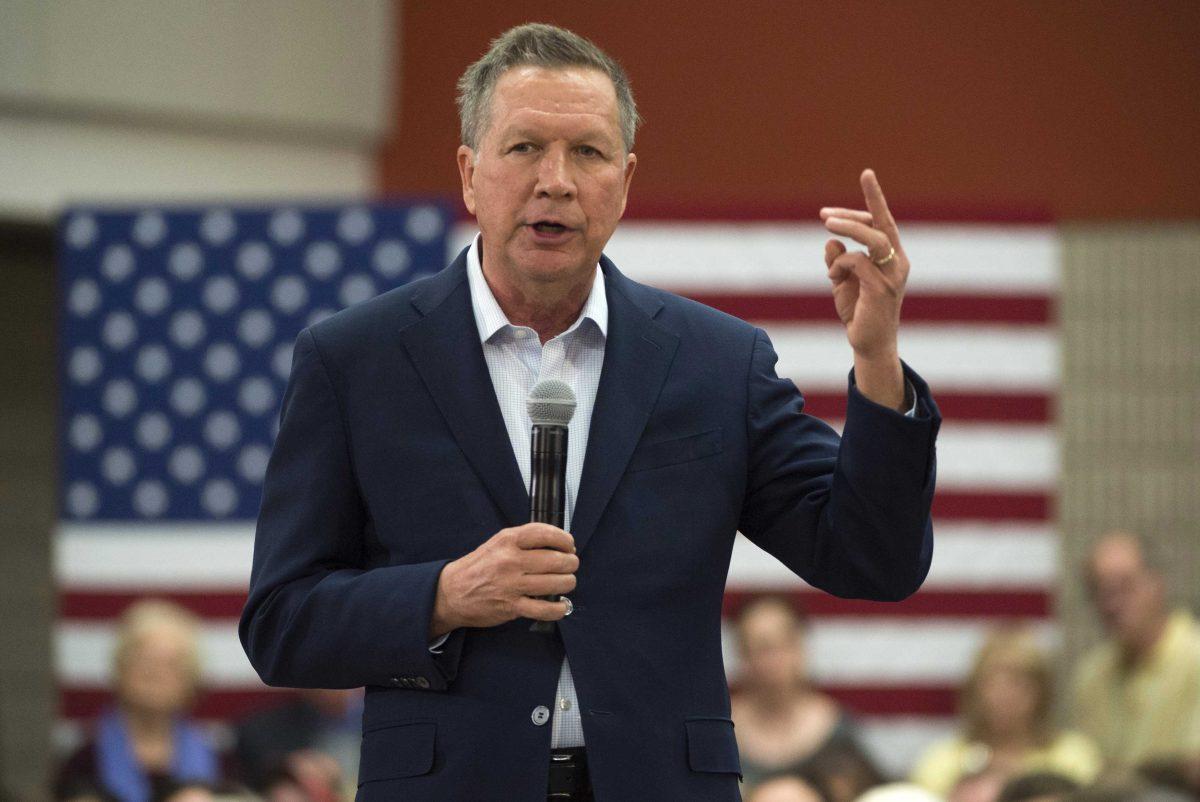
(1138, 693)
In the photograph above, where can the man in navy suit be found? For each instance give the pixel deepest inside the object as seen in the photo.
(392, 548)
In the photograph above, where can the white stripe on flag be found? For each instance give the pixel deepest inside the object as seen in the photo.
(978, 556)
(140, 556)
(949, 357)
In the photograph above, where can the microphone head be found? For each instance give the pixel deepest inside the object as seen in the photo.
(551, 402)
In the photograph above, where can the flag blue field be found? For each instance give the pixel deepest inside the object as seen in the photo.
(177, 332)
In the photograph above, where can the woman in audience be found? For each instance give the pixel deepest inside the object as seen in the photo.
(1005, 707)
(783, 724)
(143, 746)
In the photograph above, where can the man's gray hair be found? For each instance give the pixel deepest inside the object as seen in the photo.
(537, 45)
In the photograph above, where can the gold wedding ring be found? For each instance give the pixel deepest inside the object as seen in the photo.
(881, 262)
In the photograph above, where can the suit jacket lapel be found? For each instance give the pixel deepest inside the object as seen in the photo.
(637, 358)
(444, 346)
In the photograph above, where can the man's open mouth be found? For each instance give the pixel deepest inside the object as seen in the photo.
(549, 228)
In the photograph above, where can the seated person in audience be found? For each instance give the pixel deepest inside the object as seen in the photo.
(782, 723)
(144, 746)
(1138, 693)
(1038, 786)
(784, 788)
(1005, 707)
(327, 721)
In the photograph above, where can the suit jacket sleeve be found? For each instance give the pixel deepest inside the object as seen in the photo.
(316, 616)
(850, 517)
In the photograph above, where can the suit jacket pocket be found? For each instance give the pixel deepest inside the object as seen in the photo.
(392, 751)
(711, 745)
(675, 450)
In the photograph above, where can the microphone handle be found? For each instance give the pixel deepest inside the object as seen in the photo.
(548, 487)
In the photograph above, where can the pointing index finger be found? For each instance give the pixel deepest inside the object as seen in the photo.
(877, 204)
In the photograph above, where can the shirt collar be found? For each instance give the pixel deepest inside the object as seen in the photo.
(490, 318)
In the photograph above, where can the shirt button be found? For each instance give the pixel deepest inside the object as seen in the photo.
(540, 715)
(564, 704)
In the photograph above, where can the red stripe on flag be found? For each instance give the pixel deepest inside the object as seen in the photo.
(96, 604)
(976, 407)
(998, 506)
(786, 307)
(85, 703)
(924, 604)
(898, 701)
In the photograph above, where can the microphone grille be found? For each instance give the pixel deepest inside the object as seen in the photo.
(551, 402)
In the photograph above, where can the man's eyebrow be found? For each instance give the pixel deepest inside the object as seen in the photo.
(590, 135)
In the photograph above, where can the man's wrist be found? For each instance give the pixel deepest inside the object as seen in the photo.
(881, 379)
(442, 619)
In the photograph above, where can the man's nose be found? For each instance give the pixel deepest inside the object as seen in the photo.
(554, 175)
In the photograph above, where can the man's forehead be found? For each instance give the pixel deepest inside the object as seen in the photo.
(545, 91)
(1116, 553)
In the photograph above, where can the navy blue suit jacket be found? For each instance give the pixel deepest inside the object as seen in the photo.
(393, 459)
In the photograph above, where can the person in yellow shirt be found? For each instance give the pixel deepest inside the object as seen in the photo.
(1138, 693)
(1006, 705)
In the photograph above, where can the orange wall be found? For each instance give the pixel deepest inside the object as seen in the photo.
(1073, 110)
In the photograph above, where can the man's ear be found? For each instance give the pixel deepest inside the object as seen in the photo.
(466, 171)
(630, 166)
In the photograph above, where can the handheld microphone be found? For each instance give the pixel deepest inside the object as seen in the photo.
(551, 403)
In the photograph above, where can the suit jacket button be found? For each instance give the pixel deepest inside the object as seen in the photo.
(422, 682)
(540, 715)
(395, 680)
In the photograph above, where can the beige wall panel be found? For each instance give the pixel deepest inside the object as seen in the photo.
(314, 66)
(1130, 404)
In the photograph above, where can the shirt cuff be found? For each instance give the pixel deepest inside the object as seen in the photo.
(435, 647)
(910, 392)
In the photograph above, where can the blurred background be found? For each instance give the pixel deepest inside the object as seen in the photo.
(183, 186)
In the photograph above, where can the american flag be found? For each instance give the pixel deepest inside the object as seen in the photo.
(177, 327)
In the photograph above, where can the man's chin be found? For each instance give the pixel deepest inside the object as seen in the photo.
(550, 265)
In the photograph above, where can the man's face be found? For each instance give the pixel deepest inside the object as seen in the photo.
(550, 175)
(772, 648)
(1128, 596)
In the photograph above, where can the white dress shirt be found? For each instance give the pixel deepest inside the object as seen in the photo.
(517, 360)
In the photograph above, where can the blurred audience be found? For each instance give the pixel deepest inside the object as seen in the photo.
(1005, 708)
(143, 746)
(783, 724)
(315, 721)
(1138, 693)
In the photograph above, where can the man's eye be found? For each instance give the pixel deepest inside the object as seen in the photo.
(522, 147)
(588, 150)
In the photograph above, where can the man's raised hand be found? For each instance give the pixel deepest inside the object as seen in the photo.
(868, 288)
